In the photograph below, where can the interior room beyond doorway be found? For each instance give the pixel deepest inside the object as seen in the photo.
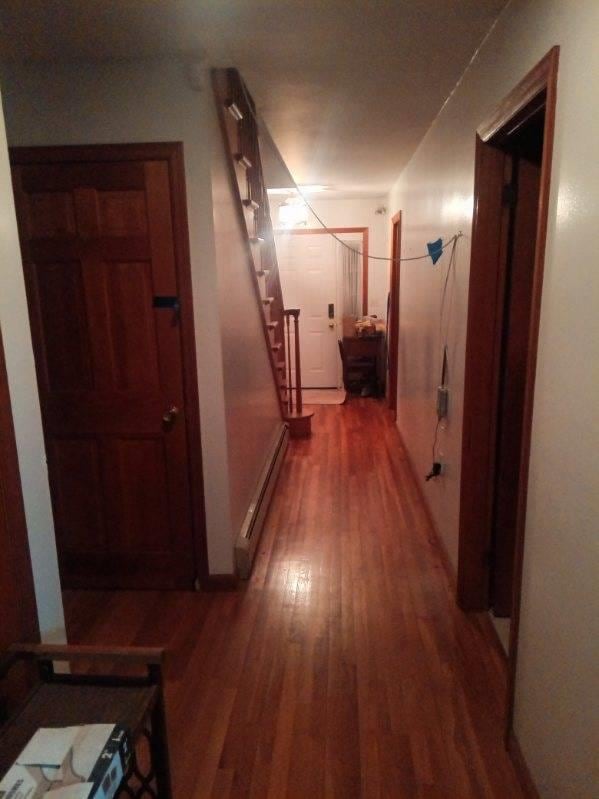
(324, 273)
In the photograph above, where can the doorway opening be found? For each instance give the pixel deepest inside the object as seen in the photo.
(328, 282)
(103, 232)
(511, 194)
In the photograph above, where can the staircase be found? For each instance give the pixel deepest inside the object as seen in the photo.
(239, 129)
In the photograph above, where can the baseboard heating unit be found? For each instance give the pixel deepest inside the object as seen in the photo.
(247, 542)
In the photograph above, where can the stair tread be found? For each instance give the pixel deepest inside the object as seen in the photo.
(243, 160)
(268, 300)
(272, 325)
(303, 415)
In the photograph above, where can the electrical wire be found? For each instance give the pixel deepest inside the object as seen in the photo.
(443, 334)
(436, 436)
(266, 133)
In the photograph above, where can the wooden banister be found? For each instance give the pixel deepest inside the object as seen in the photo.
(239, 128)
(296, 407)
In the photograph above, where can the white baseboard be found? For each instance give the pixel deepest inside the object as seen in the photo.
(247, 541)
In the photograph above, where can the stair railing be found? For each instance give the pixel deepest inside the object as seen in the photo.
(294, 380)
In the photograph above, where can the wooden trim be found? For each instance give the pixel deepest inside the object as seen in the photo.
(10, 487)
(365, 272)
(78, 153)
(220, 582)
(521, 768)
(537, 89)
(71, 653)
(190, 374)
(307, 231)
(550, 67)
(485, 309)
(393, 332)
(533, 84)
(172, 153)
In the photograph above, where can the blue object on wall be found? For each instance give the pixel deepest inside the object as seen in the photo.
(435, 249)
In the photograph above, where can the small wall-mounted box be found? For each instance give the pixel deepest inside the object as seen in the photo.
(442, 402)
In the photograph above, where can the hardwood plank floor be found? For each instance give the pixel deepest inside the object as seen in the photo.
(343, 668)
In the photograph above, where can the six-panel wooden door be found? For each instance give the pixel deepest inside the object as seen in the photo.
(103, 290)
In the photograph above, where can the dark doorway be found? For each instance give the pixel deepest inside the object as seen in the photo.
(523, 155)
(511, 194)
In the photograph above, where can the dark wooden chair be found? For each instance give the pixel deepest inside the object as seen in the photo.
(135, 701)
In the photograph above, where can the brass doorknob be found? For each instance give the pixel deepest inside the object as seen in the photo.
(168, 417)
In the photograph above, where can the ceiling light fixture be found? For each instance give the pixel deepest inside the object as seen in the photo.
(293, 213)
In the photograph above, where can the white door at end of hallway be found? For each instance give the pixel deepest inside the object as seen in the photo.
(308, 270)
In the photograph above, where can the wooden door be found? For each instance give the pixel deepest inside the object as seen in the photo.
(308, 271)
(17, 599)
(104, 293)
(512, 379)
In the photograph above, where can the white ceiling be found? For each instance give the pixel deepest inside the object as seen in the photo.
(347, 87)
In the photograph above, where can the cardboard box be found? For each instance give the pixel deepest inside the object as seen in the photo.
(83, 762)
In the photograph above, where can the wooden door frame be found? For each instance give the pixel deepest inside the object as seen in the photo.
(393, 333)
(172, 153)
(23, 617)
(10, 486)
(306, 231)
(482, 362)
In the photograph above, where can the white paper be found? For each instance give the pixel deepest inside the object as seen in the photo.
(79, 791)
(20, 781)
(49, 747)
(90, 741)
(57, 763)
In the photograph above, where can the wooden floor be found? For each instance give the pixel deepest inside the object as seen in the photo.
(343, 668)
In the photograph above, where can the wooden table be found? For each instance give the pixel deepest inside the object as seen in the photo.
(368, 347)
(62, 700)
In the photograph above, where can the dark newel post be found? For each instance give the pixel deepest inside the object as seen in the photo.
(288, 361)
(298, 370)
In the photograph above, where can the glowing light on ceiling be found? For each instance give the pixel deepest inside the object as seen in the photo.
(293, 213)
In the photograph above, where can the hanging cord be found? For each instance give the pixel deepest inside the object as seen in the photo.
(266, 134)
(443, 337)
(450, 270)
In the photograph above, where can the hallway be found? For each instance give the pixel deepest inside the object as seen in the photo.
(343, 668)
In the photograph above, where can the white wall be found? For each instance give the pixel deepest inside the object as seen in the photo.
(556, 718)
(24, 401)
(252, 406)
(144, 101)
(357, 213)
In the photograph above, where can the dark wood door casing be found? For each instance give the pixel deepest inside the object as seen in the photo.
(537, 90)
(512, 382)
(393, 334)
(18, 609)
(485, 319)
(104, 242)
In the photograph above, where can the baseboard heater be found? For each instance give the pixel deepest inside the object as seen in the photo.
(247, 542)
